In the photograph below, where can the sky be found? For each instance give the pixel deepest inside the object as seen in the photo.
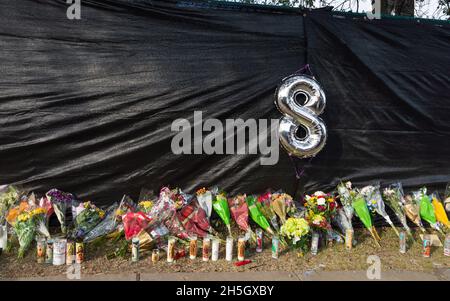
(427, 9)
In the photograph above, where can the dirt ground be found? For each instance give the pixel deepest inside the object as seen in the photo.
(335, 258)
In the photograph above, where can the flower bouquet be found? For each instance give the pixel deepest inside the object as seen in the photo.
(412, 211)
(393, 195)
(282, 204)
(256, 215)
(60, 201)
(447, 198)
(25, 220)
(220, 206)
(9, 195)
(439, 210)
(239, 212)
(263, 205)
(86, 219)
(426, 208)
(360, 206)
(145, 206)
(45, 203)
(176, 195)
(106, 226)
(341, 220)
(375, 203)
(320, 208)
(205, 198)
(346, 193)
(39, 215)
(146, 201)
(134, 222)
(296, 232)
(195, 220)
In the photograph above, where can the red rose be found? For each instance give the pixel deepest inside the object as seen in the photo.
(332, 205)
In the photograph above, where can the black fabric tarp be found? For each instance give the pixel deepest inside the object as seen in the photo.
(86, 105)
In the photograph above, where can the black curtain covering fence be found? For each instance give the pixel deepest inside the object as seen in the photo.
(87, 105)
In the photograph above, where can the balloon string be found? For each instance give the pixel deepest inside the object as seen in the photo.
(305, 69)
(298, 174)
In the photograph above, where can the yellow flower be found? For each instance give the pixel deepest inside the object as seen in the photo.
(87, 204)
(147, 205)
(23, 217)
(37, 211)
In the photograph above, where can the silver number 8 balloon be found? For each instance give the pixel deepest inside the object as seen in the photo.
(304, 115)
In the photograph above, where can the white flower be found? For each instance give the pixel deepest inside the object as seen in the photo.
(321, 201)
(319, 193)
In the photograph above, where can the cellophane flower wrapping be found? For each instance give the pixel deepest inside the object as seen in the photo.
(426, 208)
(360, 206)
(146, 200)
(45, 203)
(25, 229)
(39, 214)
(134, 222)
(296, 231)
(346, 193)
(205, 199)
(282, 204)
(9, 196)
(239, 211)
(106, 226)
(256, 215)
(222, 209)
(375, 203)
(447, 197)
(60, 201)
(26, 219)
(86, 219)
(439, 210)
(195, 220)
(320, 208)
(263, 204)
(412, 211)
(394, 198)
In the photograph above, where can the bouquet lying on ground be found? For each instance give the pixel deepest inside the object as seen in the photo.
(360, 206)
(296, 232)
(106, 226)
(375, 203)
(176, 195)
(220, 206)
(320, 207)
(282, 204)
(426, 208)
(394, 197)
(9, 195)
(256, 215)
(87, 216)
(60, 201)
(263, 205)
(134, 223)
(439, 210)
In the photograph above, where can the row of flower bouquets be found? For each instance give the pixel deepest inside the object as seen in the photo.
(174, 213)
